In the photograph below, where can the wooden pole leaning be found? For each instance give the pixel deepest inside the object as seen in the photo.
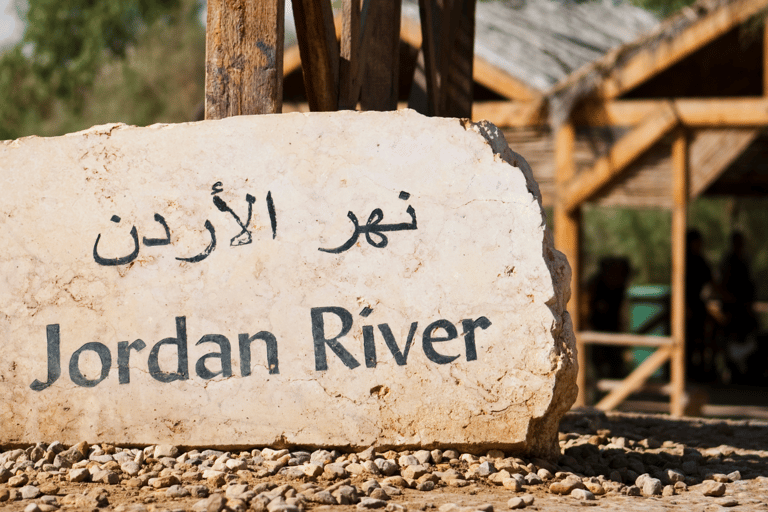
(567, 238)
(679, 221)
(319, 51)
(242, 77)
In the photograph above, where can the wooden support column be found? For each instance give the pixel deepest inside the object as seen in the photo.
(765, 57)
(457, 59)
(244, 57)
(567, 238)
(319, 52)
(349, 64)
(447, 51)
(679, 222)
(380, 54)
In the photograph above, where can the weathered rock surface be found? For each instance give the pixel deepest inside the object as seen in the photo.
(178, 273)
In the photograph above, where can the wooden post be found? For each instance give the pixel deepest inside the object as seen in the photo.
(381, 54)
(428, 11)
(319, 53)
(244, 57)
(567, 237)
(457, 57)
(447, 50)
(679, 221)
(765, 57)
(349, 64)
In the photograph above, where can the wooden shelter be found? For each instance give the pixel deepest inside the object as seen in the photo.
(686, 107)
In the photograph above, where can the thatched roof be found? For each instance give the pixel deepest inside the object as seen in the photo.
(541, 42)
(583, 82)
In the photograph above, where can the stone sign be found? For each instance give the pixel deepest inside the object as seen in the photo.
(337, 280)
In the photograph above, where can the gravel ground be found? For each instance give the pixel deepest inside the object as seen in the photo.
(617, 461)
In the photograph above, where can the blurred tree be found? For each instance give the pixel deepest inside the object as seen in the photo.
(80, 60)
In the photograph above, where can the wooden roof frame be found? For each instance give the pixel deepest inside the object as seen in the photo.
(651, 120)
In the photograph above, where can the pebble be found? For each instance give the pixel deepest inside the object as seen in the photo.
(566, 486)
(582, 494)
(712, 488)
(177, 491)
(370, 503)
(386, 467)
(78, 475)
(165, 450)
(514, 485)
(604, 463)
(595, 488)
(18, 480)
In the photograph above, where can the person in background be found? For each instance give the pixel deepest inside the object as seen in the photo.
(737, 290)
(698, 286)
(606, 292)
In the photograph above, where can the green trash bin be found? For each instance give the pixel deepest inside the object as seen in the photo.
(649, 315)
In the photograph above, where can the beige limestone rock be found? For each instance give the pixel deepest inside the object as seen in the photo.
(469, 259)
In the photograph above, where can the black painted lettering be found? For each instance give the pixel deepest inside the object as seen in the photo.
(54, 358)
(318, 334)
(182, 373)
(225, 357)
(400, 357)
(74, 364)
(469, 326)
(124, 357)
(428, 339)
(369, 347)
(245, 352)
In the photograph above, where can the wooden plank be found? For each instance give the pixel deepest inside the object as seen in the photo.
(319, 52)
(679, 223)
(654, 59)
(242, 77)
(567, 240)
(517, 114)
(765, 58)
(429, 11)
(380, 54)
(501, 82)
(632, 340)
(695, 113)
(349, 63)
(635, 379)
(457, 62)
(626, 150)
(483, 72)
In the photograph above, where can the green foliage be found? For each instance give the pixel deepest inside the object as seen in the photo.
(71, 39)
(83, 62)
(644, 237)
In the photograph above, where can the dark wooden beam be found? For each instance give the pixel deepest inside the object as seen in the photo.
(349, 64)
(456, 62)
(242, 77)
(380, 54)
(319, 52)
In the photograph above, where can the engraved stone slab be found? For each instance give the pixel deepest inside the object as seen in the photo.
(337, 280)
